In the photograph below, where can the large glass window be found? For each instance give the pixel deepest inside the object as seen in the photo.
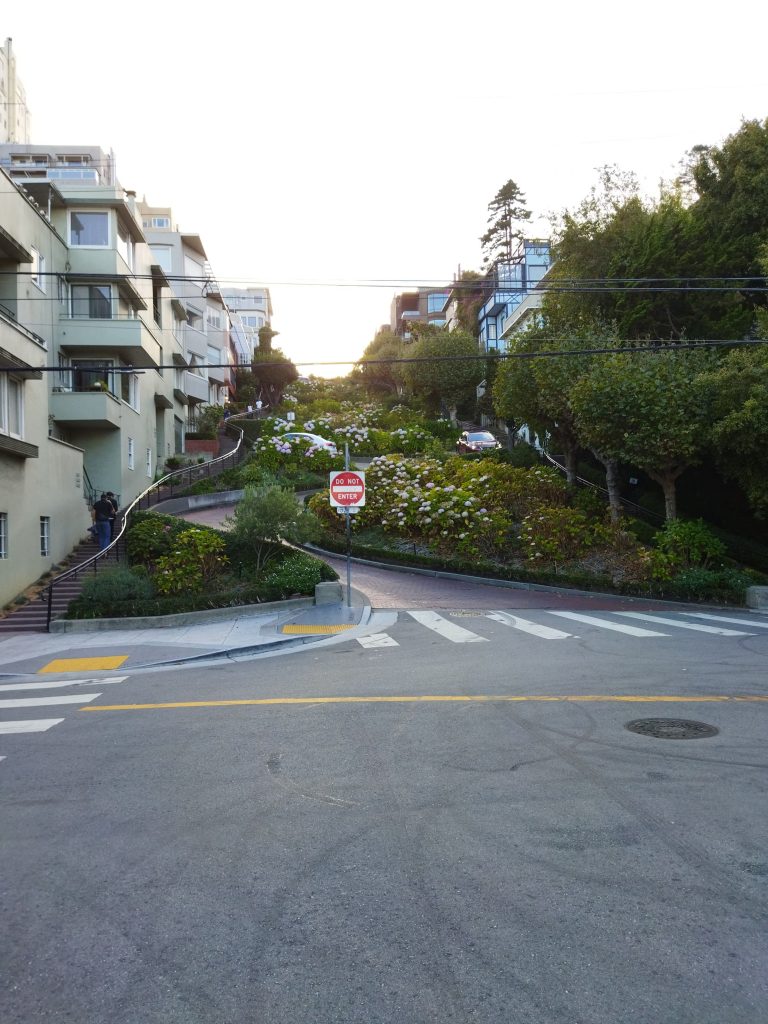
(91, 301)
(125, 245)
(436, 302)
(162, 256)
(129, 389)
(88, 228)
(38, 269)
(91, 374)
(11, 405)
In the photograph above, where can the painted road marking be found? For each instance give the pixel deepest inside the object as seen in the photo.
(84, 664)
(377, 640)
(619, 627)
(545, 632)
(316, 630)
(53, 683)
(30, 725)
(683, 625)
(595, 698)
(723, 618)
(447, 630)
(40, 702)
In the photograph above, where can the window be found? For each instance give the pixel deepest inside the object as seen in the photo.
(162, 256)
(3, 534)
(45, 536)
(11, 405)
(195, 271)
(213, 318)
(38, 269)
(149, 462)
(91, 301)
(89, 228)
(129, 389)
(91, 375)
(436, 302)
(491, 330)
(125, 245)
(195, 319)
(131, 453)
(214, 357)
(157, 222)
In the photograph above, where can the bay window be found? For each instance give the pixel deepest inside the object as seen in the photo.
(89, 228)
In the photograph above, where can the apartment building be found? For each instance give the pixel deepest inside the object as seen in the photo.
(87, 299)
(420, 306)
(14, 113)
(200, 321)
(507, 287)
(250, 309)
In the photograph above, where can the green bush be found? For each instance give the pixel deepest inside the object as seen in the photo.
(196, 557)
(699, 584)
(688, 544)
(267, 514)
(299, 574)
(112, 585)
(152, 535)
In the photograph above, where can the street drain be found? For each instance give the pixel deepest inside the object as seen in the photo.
(672, 728)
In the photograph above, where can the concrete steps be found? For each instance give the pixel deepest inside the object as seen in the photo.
(32, 616)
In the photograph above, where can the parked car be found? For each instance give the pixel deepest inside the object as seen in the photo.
(476, 441)
(313, 439)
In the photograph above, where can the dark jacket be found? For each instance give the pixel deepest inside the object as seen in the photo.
(102, 510)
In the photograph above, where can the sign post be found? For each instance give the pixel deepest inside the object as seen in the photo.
(347, 495)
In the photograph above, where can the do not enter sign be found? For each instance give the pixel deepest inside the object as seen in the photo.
(347, 489)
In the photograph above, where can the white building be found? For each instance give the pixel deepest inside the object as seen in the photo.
(14, 114)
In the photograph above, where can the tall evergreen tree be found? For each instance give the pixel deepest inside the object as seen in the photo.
(507, 211)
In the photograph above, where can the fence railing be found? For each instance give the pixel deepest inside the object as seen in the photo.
(160, 490)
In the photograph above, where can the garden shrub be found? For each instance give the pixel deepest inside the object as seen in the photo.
(151, 535)
(196, 557)
(117, 584)
(557, 534)
(688, 544)
(298, 574)
(267, 514)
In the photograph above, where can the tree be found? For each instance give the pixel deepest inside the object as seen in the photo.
(647, 409)
(536, 391)
(448, 371)
(272, 373)
(380, 368)
(265, 516)
(506, 211)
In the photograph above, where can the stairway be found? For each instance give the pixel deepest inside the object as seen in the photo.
(31, 617)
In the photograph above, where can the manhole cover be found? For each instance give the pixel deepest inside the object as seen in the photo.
(672, 728)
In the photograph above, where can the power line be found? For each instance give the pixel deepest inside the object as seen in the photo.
(362, 362)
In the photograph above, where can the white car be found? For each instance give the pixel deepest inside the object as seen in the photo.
(313, 439)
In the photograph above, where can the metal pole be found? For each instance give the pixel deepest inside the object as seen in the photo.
(349, 535)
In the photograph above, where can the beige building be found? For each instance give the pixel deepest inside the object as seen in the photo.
(14, 115)
(84, 300)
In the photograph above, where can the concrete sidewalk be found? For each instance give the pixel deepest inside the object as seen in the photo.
(200, 637)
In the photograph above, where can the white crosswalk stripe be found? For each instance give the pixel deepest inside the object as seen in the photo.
(618, 627)
(377, 640)
(545, 632)
(448, 630)
(55, 683)
(699, 627)
(727, 618)
(39, 702)
(28, 725)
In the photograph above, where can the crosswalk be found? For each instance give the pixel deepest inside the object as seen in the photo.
(555, 625)
(12, 723)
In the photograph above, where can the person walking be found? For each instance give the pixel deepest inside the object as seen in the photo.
(102, 510)
(113, 518)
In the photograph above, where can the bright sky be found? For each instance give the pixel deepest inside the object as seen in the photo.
(318, 146)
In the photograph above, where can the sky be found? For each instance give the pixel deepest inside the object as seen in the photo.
(339, 153)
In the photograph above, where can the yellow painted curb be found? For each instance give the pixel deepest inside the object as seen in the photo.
(314, 630)
(84, 664)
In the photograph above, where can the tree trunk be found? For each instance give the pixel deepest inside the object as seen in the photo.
(668, 483)
(569, 455)
(612, 485)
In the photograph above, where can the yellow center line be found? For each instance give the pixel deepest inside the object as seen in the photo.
(436, 699)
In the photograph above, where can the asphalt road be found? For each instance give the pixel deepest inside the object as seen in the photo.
(464, 831)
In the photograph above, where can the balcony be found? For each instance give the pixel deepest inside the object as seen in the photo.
(129, 339)
(94, 410)
(196, 387)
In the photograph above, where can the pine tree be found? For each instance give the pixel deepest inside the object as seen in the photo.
(506, 211)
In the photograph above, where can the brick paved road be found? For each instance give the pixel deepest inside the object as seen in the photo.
(387, 589)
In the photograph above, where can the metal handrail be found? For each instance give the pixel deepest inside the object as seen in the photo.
(626, 502)
(113, 547)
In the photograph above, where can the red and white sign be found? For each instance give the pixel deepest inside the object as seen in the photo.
(347, 489)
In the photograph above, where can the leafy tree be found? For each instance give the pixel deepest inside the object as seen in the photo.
(272, 373)
(208, 421)
(374, 371)
(506, 211)
(267, 514)
(448, 371)
(648, 409)
(469, 293)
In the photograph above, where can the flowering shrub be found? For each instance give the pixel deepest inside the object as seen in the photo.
(688, 544)
(152, 535)
(197, 556)
(556, 534)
